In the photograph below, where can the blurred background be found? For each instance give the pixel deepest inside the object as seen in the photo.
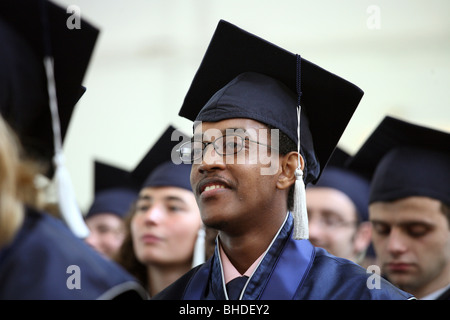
(148, 51)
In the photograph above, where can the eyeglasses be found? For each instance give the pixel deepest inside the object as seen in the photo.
(224, 145)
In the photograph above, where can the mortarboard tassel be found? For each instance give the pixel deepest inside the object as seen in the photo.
(300, 214)
(199, 249)
(66, 197)
(301, 230)
(68, 207)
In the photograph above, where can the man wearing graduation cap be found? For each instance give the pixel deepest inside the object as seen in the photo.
(245, 86)
(410, 204)
(338, 210)
(42, 65)
(114, 194)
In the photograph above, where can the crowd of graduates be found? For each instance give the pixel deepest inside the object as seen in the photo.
(200, 217)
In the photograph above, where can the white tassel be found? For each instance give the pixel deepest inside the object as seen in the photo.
(66, 196)
(66, 199)
(300, 215)
(199, 248)
(301, 230)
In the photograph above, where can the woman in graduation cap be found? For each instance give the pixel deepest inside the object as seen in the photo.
(244, 100)
(409, 204)
(164, 236)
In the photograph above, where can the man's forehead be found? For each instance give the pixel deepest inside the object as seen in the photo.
(406, 211)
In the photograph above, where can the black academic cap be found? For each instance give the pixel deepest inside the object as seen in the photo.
(338, 158)
(30, 29)
(259, 81)
(107, 176)
(405, 159)
(354, 184)
(114, 190)
(161, 166)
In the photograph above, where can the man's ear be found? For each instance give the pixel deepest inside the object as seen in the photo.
(288, 165)
(363, 237)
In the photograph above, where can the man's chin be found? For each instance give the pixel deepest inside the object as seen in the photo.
(402, 280)
(217, 219)
(213, 219)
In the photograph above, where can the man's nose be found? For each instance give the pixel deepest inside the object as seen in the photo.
(211, 160)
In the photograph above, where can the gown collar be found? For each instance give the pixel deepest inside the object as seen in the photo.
(261, 273)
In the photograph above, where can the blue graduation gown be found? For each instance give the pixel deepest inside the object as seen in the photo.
(46, 261)
(291, 269)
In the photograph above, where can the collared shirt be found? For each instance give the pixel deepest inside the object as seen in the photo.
(434, 295)
(230, 272)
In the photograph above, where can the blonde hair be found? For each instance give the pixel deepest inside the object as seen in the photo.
(16, 184)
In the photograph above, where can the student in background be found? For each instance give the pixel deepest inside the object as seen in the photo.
(338, 210)
(40, 257)
(164, 225)
(114, 192)
(409, 204)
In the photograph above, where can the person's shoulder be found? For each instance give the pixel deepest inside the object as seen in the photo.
(55, 253)
(345, 279)
(175, 291)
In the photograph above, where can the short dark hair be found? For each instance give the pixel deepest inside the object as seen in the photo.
(286, 145)
(445, 208)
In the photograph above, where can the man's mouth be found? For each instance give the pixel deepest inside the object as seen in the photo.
(207, 188)
(399, 267)
(208, 185)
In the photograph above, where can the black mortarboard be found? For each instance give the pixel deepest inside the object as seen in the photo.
(328, 101)
(161, 165)
(244, 76)
(404, 159)
(338, 176)
(338, 158)
(30, 30)
(107, 176)
(114, 190)
(42, 64)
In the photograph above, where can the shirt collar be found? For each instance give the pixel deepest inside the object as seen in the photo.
(434, 295)
(230, 272)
